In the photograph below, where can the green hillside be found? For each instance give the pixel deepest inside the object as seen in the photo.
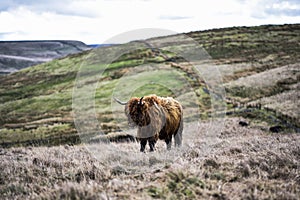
(36, 103)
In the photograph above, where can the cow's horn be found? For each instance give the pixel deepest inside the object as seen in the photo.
(120, 102)
(141, 101)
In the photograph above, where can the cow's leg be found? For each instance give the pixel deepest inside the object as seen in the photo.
(169, 143)
(143, 144)
(178, 135)
(152, 144)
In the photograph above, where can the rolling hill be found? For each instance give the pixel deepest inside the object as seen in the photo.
(16, 55)
(258, 65)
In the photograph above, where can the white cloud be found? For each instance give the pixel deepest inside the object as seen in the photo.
(174, 17)
(268, 9)
(94, 21)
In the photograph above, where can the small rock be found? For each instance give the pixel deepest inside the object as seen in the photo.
(243, 123)
(276, 129)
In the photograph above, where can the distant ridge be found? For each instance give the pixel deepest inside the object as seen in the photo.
(16, 55)
(100, 45)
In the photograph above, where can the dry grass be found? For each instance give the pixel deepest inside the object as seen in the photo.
(285, 104)
(240, 162)
(266, 83)
(275, 90)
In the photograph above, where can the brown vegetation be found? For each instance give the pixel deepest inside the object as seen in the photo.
(240, 163)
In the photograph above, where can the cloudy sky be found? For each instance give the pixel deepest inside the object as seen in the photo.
(96, 21)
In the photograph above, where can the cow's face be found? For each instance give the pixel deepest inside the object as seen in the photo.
(136, 111)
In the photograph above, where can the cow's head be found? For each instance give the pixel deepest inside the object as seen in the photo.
(136, 110)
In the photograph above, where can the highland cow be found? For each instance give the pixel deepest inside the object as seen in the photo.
(156, 118)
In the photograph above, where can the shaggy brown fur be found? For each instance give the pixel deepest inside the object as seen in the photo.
(156, 118)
